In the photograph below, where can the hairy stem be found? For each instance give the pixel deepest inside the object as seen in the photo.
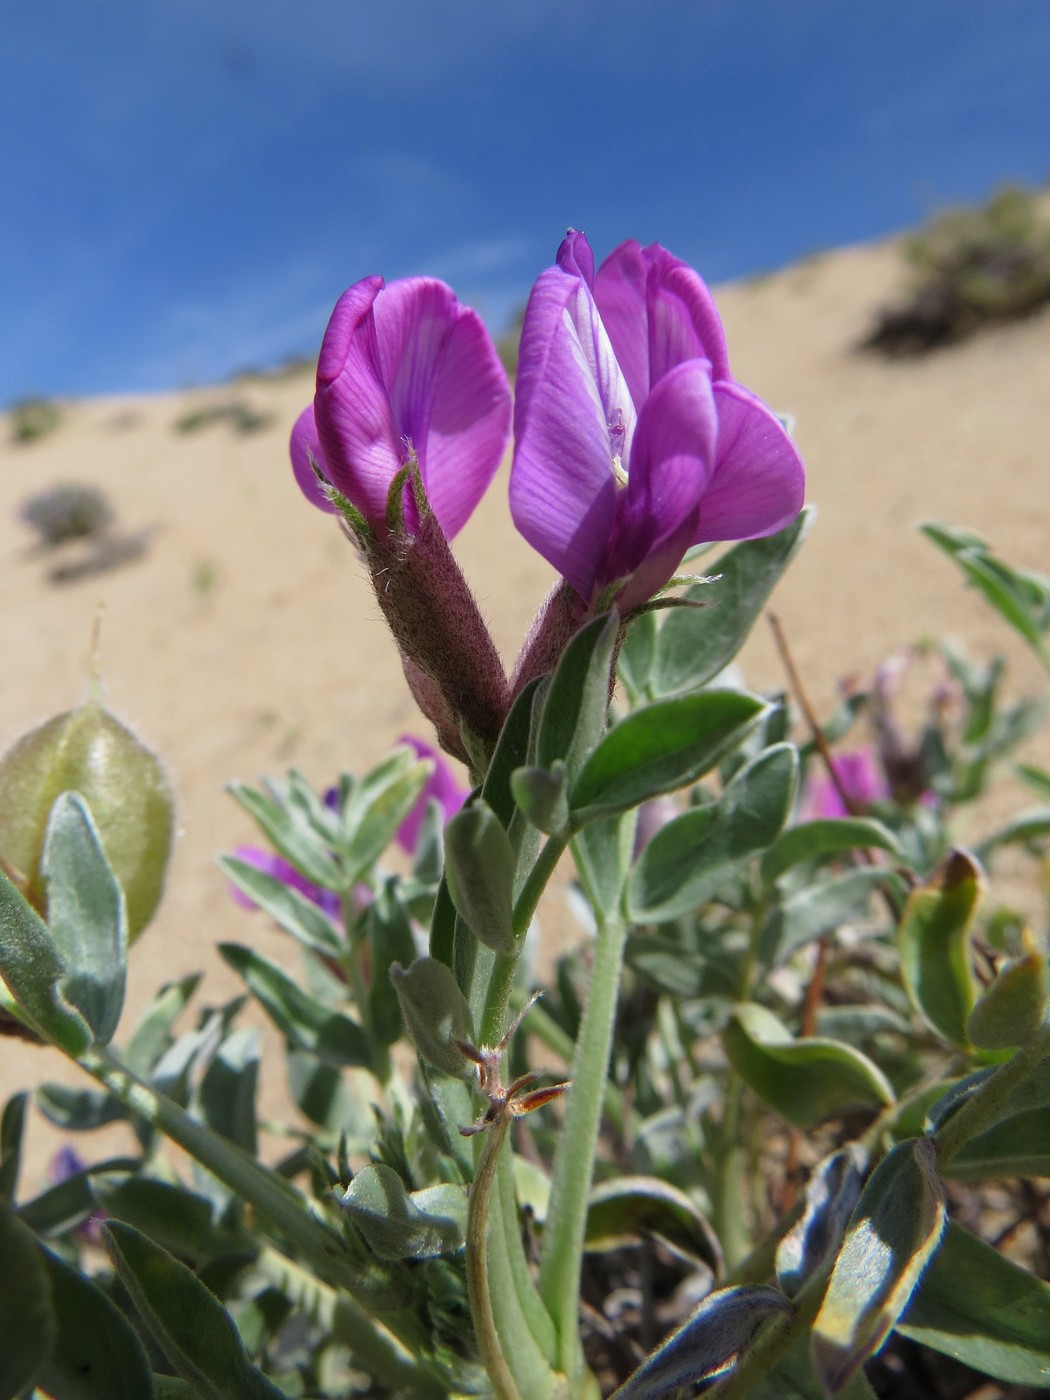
(503, 1383)
(574, 1162)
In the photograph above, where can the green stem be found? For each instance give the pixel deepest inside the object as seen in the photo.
(574, 1160)
(273, 1198)
(982, 1108)
(478, 1225)
(545, 1028)
(731, 1184)
(536, 882)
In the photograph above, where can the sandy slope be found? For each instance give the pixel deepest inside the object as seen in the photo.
(246, 638)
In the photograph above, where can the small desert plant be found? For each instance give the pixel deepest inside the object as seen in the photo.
(971, 268)
(241, 417)
(33, 418)
(69, 511)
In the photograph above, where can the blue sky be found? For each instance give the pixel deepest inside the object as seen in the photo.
(190, 184)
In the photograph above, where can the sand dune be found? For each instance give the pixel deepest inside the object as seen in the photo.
(245, 639)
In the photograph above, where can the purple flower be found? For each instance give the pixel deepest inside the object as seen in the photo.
(632, 439)
(404, 369)
(860, 778)
(441, 785)
(271, 864)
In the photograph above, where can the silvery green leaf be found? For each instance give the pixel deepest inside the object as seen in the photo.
(97, 1354)
(1010, 1011)
(12, 1128)
(806, 1080)
(819, 840)
(34, 971)
(831, 1194)
(660, 748)
(289, 909)
(694, 645)
(186, 1320)
(983, 1310)
(86, 914)
(934, 942)
(479, 863)
(892, 1236)
(25, 1306)
(436, 1013)
(304, 1021)
(400, 1225)
(716, 1333)
(689, 859)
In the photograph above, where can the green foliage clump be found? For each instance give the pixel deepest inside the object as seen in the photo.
(33, 418)
(971, 268)
(241, 417)
(69, 511)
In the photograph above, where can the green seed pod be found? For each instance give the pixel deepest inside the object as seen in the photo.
(88, 750)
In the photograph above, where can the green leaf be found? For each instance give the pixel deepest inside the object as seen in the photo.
(693, 645)
(662, 747)
(1018, 1145)
(436, 1014)
(891, 1238)
(1028, 826)
(479, 863)
(986, 1312)
(12, 1128)
(97, 1354)
(933, 938)
(690, 858)
(720, 1329)
(1020, 596)
(402, 1226)
(832, 1193)
(637, 657)
(188, 1323)
(173, 1216)
(629, 1208)
(390, 939)
(289, 909)
(152, 1036)
(86, 914)
(1011, 1010)
(34, 970)
(25, 1306)
(806, 1080)
(824, 839)
(602, 852)
(227, 1090)
(304, 1021)
(818, 909)
(290, 835)
(378, 805)
(576, 704)
(78, 1110)
(541, 794)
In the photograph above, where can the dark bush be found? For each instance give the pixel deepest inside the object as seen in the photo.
(33, 418)
(970, 268)
(69, 511)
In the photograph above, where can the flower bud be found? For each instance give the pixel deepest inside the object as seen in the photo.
(88, 750)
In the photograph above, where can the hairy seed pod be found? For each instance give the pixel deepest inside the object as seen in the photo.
(88, 750)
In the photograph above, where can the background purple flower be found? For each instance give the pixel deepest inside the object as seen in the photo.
(272, 864)
(404, 368)
(441, 784)
(861, 779)
(632, 439)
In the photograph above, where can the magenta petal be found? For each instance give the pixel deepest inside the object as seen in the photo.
(469, 422)
(305, 450)
(575, 256)
(759, 482)
(360, 441)
(671, 465)
(562, 492)
(682, 315)
(659, 313)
